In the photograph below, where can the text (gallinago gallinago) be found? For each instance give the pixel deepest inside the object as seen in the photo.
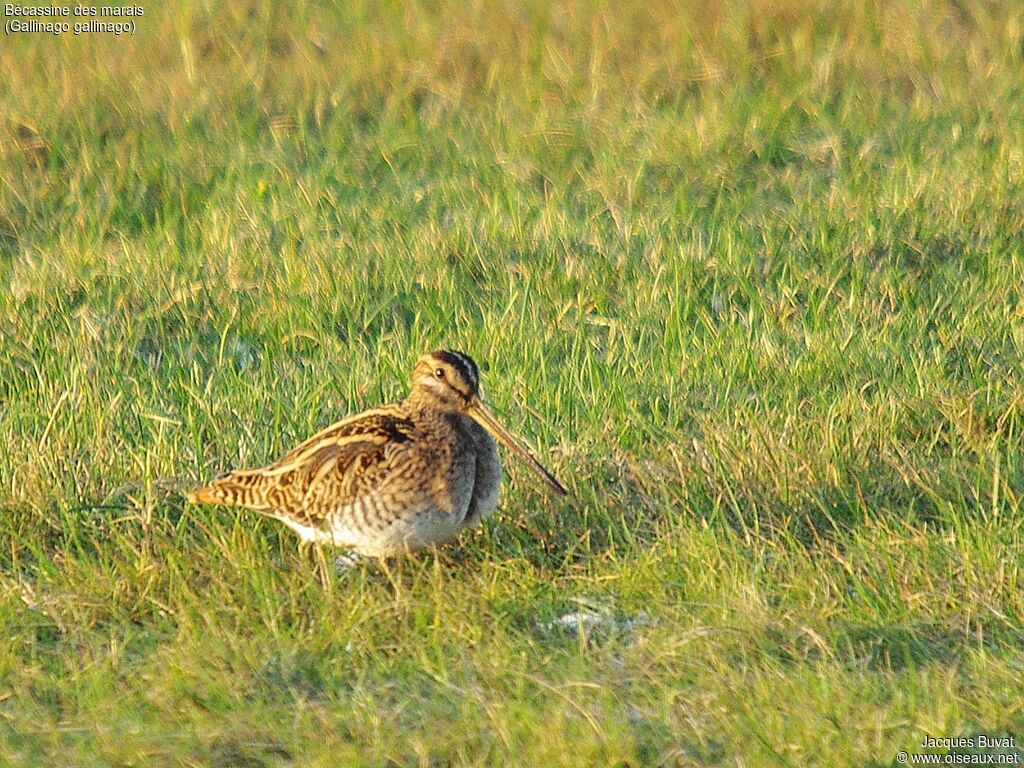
(392, 479)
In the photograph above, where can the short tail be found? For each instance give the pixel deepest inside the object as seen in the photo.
(244, 488)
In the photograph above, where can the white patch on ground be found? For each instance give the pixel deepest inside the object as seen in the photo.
(577, 620)
(346, 561)
(593, 616)
(244, 354)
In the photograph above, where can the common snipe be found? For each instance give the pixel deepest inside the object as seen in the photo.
(391, 479)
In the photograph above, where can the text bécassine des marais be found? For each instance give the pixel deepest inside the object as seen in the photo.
(11, 9)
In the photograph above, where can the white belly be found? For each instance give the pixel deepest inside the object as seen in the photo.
(408, 534)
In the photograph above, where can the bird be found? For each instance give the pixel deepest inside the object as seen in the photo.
(389, 480)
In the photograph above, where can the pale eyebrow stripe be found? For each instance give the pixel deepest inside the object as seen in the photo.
(467, 366)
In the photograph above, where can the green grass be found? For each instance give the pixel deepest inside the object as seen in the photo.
(749, 274)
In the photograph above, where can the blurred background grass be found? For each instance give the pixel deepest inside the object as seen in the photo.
(749, 273)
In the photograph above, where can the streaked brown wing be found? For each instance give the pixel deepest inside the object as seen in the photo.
(338, 466)
(384, 422)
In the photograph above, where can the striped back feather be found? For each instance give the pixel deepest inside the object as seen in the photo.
(244, 488)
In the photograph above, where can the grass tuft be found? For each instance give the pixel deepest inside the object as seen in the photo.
(747, 273)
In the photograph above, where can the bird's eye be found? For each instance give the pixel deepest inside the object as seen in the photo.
(439, 373)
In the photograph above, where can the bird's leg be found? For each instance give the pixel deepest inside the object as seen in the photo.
(438, 575)
(389, 574)
(321, 566)
(313, 552)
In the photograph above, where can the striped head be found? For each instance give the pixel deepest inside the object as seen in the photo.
(450, 380)
(446, 379)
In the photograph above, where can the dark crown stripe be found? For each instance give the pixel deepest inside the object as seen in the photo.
(469, 368)
(462, 363)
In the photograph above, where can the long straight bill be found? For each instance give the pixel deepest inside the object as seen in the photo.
(480, 412)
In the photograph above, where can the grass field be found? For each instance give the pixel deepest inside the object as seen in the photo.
(749, 275)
